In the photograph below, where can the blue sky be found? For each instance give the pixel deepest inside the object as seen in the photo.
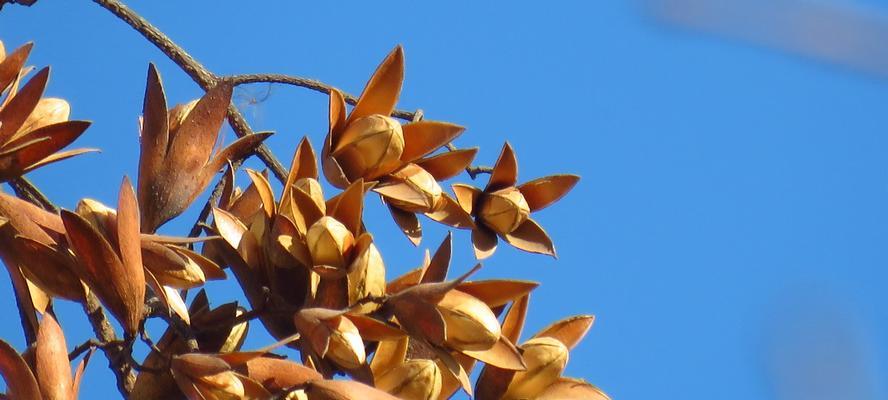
(729, 229)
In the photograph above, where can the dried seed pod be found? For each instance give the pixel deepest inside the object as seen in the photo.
(113, 270)
(330, 243)
(418, 379)
(178, 114)
(545, 355)
(49, 110)
(332, 336)
(344, 390)
(167, 266)
(504, 210)
(177, 159)
(48, 376)
(32, 130)
(366, 275)
(215, 331)
(470, 324)
(413, 189)
(370, 146)
(202, 376)
(546, 358)
(312, 188)
(572, 389)
(346, 346)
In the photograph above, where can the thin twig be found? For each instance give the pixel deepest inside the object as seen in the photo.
(84, 347)
(318, 86)
(370, 299)
(472, 170)
(200, 74)
(312, 84)
(154, 308)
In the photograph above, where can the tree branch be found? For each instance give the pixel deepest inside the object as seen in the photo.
(116, 352)
(312, 84)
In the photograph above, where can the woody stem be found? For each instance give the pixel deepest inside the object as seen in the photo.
(117, 361)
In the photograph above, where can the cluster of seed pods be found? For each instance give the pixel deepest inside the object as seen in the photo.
(304, 259)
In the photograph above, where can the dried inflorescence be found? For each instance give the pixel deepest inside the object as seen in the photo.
(43, 372)
(32, 127)
(305, 259)
(178, 160)
(503, 209)
(368, 144)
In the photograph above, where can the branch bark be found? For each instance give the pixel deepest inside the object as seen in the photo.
(118, 355)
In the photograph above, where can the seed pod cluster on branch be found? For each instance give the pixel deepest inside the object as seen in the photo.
(305, 259)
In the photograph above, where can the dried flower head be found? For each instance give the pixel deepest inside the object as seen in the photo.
(368, 144)
(216, 331)
(238, 374)
(49, 374)
(111, 264)
(177, 158)
(503, 209)
(32, 246)
(545, 354)
(168, 265)
(32, 128)
(411, 379)
(332, 335)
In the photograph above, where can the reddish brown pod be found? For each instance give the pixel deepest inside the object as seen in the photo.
(33, 128)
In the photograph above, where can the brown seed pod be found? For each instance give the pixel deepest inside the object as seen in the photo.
(470, 324)
(177, 159)
(215, 331)
(32, 129)
(370, 146)
(546, 358)
(330, 243)
(503, 208)
(344, 390)
(114, 272)
(412, 380)
(412, 189)
(51, 376)
(332, 336)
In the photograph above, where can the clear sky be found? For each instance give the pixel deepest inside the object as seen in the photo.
(729, 230)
